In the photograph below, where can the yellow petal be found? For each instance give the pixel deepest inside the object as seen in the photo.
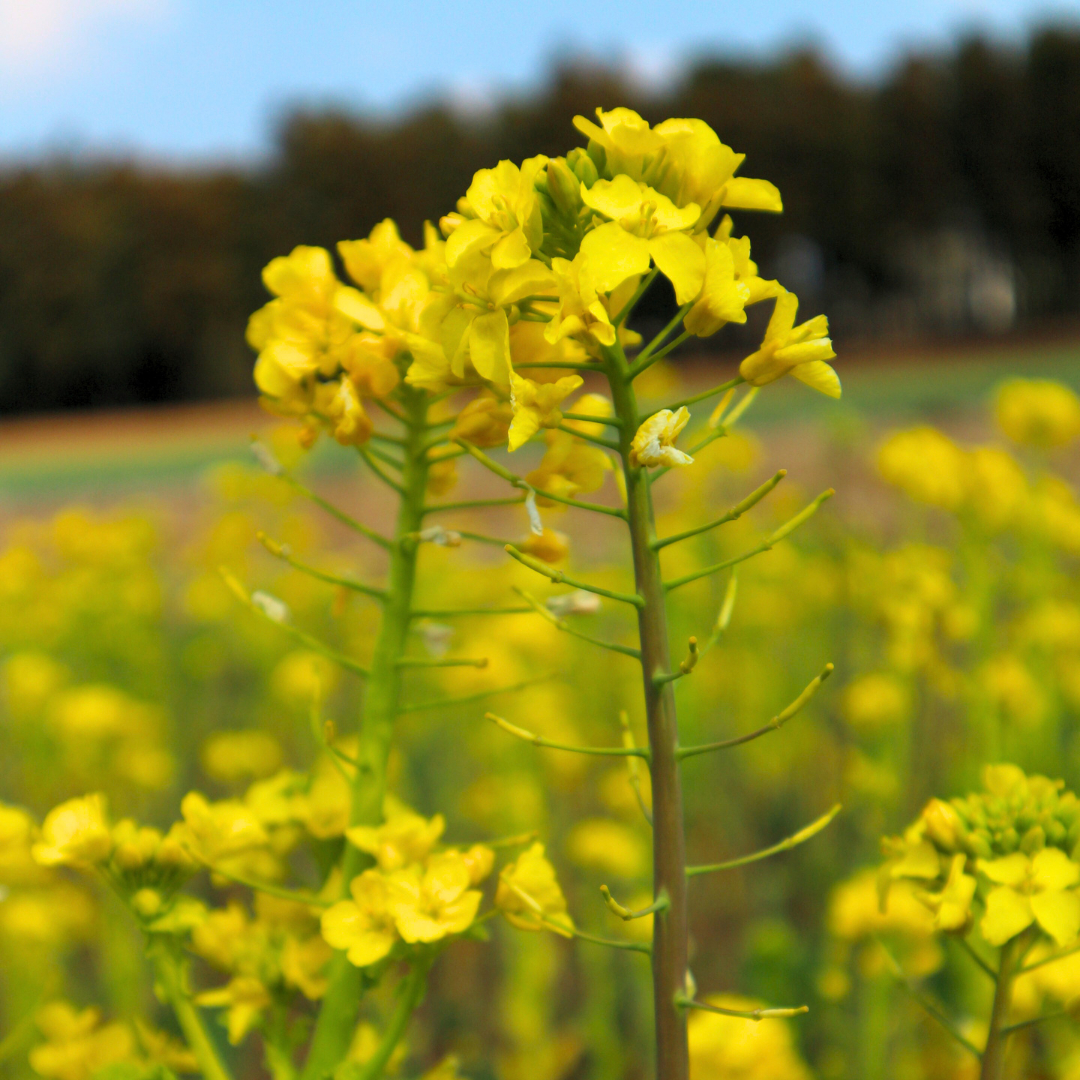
(359, 308)
(468, 237)
(681, 261)
(920, 862)
(532, 278)
(1011, 870)
(819, 376)
(489, 347)
(1051, 868)
(1007, 914)
(512, 250)
(742, 193)
(611, 255)
(1058, 913)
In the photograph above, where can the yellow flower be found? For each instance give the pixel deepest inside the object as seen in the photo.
(17, 834)
(366, 261)
(77, 1046)
(1038, 412)
(162, 1049)
(801, 350)
(529, 895)
(568, 467)
(246, 999)
(499, 216)
(484, 422)
(363, 926)
(1038, 889)
(219, 830)
(74, 833)
(654, 442)
(480, 861)
(733, 1048)
(952, 906)
(404, 838)
(876, 700)
(683, 159)
(581, 312)
(645, 226)
(432, 903)
(536, 405)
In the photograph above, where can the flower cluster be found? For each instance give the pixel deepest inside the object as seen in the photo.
(1011, 847)
(533, 270)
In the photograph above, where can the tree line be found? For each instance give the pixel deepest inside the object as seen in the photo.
(943, 198)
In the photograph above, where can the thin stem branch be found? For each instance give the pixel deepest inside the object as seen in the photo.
(468, 699)
(744, 1014)
(656, 356)
(767, 544)
(476, 504)
(520, 482)
(932, 1009)
(334, 512)
(562, 579)
(411, 993)
(774, 724)
(661, 903)
(377, 470)
(712, 392)
(564, 625)
(306, 639)
(284, 552)
(733, 514)
(539, 740)
(635, 368)
(596, 440)
(787, 844)
(632, 766)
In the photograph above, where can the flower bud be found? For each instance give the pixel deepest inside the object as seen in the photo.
(943, 824)
(563, 187)
(1033, 840)
(146, 902)
(583, 164)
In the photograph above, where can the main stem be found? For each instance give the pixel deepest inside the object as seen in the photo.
(382, 697)
(993, 1059)
(670, 927)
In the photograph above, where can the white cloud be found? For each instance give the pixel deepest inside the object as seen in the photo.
(37, 35)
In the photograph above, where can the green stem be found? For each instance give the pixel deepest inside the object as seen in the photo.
(670, 927)
(337, 1016)
(412, 993)
(993, 1058)
(164, 952)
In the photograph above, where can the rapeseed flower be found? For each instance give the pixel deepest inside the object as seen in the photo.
(363, 926)
(75, 833)
(529, 895)
(435, 901)
(654, 441)
(800, 350)
(536, 405)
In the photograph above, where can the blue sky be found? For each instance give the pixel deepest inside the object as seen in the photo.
(199, 79)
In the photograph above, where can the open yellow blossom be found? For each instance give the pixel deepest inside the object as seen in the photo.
(75, 833)
(221, 829)
(1038, 412)
(1039, 889)
(529, 895)
(366, 261)
(952, 906)
(501, 216)
(303, 964)
(654, 441)
(245, 998)
(801, 350)
(434, 902)
(78, 1045)
(645, 225)
(403, 839)
(363, 926)
(682, 158)
(536, 405)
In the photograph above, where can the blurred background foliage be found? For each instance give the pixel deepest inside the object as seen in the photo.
(943, 584)
(941, 199)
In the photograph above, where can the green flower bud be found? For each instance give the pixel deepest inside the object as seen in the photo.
(563, 187)
(1033, 840)
(147, 903)
(1010, 841)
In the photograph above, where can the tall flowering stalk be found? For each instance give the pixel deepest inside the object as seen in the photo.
(639, 203)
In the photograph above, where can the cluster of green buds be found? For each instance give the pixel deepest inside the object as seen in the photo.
(146, 867)
(1011, 849)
